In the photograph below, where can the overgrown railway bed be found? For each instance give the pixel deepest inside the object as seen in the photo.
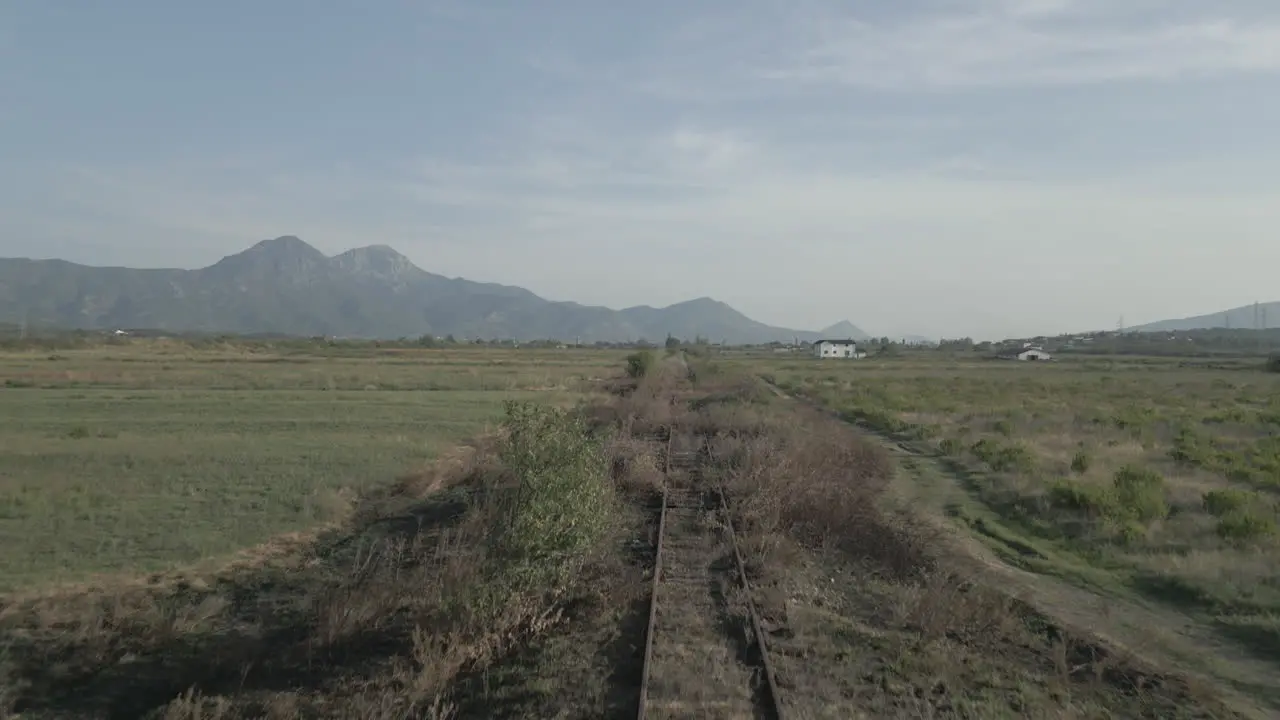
(705, 654)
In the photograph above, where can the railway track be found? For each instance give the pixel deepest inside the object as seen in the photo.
(698, 662)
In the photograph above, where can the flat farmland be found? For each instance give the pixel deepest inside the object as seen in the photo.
(1152, 482)
(149, 454)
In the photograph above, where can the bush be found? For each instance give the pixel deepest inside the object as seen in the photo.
(1080, 462)
(1083, 497)
(1273, 363)
(1245, 525)
(641, 364)
(1140, 494)
(1223, 502)
(562, 505)
(1004, 457)
(1135, 499)
(1189, 449)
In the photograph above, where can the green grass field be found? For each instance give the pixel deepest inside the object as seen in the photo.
(1154, 478)
(149, 454)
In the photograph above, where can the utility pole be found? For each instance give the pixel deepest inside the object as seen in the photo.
(1266, 338)
(1256, 327)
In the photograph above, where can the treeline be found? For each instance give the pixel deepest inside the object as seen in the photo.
(1215, 341)
(13, 337)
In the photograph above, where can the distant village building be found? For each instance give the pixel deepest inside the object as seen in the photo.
(835, 349)
(1026, 352)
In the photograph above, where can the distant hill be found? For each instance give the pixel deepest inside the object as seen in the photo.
(285, 286)
(844, 330)
(1241, 318)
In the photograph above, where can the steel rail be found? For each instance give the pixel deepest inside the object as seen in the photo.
(757, 628)
(657, 579)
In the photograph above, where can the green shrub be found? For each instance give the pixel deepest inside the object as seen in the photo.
(1004, 457)
(1140, 494)
(1083, 497)
(1223, 502)
(1080, 462)
(1246, 525)
(563, 503)
(1130, 532)
(641, 364)
(1273, 363)
(1003, 427)
(1190, 449)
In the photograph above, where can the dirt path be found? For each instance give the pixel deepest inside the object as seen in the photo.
(1158, 634)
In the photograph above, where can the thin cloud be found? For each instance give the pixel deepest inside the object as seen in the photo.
(1033, 43)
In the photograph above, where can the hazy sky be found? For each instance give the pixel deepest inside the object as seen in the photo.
(942, 167)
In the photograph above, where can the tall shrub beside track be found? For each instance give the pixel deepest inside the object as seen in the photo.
(562, 503)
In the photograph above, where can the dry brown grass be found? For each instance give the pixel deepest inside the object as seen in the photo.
(872, 615)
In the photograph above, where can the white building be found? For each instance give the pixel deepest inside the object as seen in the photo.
(1027, 352)
(835, 349)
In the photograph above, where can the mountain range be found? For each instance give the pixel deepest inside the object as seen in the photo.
(1241, 318)
(285, 286)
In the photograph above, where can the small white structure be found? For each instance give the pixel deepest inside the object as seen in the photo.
(1027, 352)
(835, 349)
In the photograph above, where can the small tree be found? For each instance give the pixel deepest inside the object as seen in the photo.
(1273, 363)
(640, 364)
(672, 342)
